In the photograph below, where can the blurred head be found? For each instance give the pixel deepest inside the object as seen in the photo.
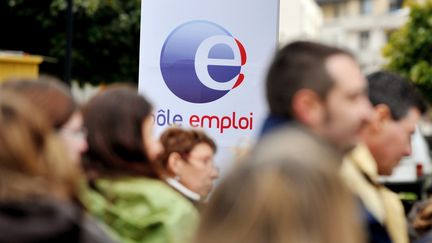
(55, 101)
(281, 201)
(397, 107)
(31, 157)
(120, 132)
(188, 155)
(321, 87)
(299, 144)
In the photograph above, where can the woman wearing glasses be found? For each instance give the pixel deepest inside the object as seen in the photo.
(54, 100)
(39, 187)
(187, 162)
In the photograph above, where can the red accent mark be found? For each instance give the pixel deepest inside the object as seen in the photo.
(242, 52)
(239, 80)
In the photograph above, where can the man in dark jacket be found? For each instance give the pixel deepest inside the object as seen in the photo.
(321, 88)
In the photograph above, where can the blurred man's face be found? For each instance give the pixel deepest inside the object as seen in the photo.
(347, 107)
(393, 141)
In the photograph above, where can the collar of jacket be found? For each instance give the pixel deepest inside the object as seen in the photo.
(183, 190)
(365, 162)
(272, 122)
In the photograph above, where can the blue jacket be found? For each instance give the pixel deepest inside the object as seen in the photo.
(375, 230)
(272, 122)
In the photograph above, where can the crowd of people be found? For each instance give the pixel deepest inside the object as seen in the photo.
(96, 173)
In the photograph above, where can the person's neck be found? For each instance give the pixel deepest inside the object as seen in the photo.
(326, 140)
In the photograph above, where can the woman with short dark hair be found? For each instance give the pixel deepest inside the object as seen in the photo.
(187, 162)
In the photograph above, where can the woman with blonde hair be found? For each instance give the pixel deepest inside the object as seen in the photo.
(280, 201)
(38, 189)
(283, 195)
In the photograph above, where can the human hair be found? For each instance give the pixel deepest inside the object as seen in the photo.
(298, 65)
(283, 194)
(32, 160)
(396, 92)
(281, 201)
(114, 120)
(181, 141)
(49, 95)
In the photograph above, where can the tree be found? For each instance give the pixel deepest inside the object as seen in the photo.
(106, 36)
(409, 49)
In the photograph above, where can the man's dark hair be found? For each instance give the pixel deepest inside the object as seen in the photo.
(395, 91)
(299, 65)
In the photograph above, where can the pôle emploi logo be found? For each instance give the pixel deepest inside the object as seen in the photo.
(201, 61)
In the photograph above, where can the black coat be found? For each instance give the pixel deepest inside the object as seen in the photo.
(47, 222)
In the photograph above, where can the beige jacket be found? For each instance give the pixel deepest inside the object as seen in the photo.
(359, 171)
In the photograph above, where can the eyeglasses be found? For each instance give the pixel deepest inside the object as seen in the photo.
(208, 162)
(76, 133)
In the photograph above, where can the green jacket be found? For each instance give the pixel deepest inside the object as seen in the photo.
(143, 210)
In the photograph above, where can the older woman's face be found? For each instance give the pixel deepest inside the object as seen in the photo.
(199, 171)
(73, 135)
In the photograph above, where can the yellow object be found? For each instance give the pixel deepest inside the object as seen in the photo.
(19, 66)
(360, 173)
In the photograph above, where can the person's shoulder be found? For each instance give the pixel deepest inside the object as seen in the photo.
(297, 142)
(39, 219)
(153, 192)
(148, 207)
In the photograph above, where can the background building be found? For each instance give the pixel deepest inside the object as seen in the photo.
(299, 19)
(362, 26)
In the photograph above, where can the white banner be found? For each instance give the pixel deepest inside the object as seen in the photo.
(203, 64)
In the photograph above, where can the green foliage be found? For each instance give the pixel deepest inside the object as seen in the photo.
(409, 49)
(105, 43)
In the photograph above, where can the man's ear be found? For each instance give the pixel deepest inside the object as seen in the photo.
(175, 164)
(307, 107)
(382, 116)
